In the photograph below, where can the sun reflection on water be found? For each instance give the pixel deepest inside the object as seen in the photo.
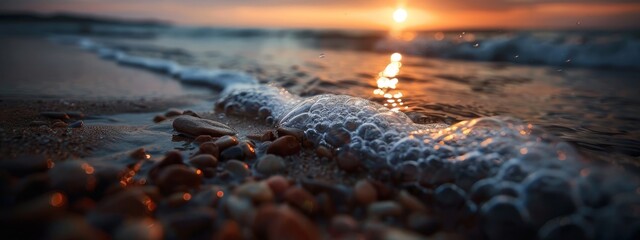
(387, 82)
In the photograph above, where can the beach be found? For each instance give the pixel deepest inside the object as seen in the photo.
(189, 133)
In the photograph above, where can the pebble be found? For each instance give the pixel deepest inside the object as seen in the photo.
(59, 125)
(173, 112)
(130, 203)
(410, 202)
(26, 164)
(209, 148)
(192, 223)
(258, 192)
(384, 209)
(73, 177)
(301, 199)
(76, 115)
(450, 196)
(265, 216)
(290, 224)
(177, 178)
(337, 136)
(271, 164)
(159, 118)
(365, 193)
(235, 152)
(323, 151)
(203, 138)
(191, 113)
(423, 223)
(284, 131)
(240, 209)
(55, 115)
(284, 146)
(230, 230)
(278, 184)
(342, 225)
(197, 126)
(71, 228)
(204, 161)
(138, 154)
(226, 142)
(238, 168)
(171, 158)
(146, 228)
(76, 124)
(547, 195)
(347, 161)
(504, 218)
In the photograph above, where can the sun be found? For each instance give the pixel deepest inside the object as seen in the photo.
(400, 15)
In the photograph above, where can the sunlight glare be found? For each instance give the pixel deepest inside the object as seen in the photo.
(400, 15)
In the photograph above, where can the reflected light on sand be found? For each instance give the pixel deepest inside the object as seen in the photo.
(387, 83)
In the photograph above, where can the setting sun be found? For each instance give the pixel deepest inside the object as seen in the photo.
(400, 15)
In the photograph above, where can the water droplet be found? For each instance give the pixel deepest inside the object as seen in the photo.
(321, 55)
(516, 56)
(476, 45)
(568, 60)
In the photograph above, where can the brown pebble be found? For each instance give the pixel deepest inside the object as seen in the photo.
(284, 131)
(230, 230)
(55, 115)
(364, 192)
(173, 112)
(177, 178)
(265, 216)
(237, 168)
(146, 228)
(347, 161)
(76, 115)
(342, 224)
(204, 161)
(290, 224)
(323, 151)
(203, 138)
(384, 209)
(159, 118)
(278, 184)
(131, 203)
(410, 202)
(225, 142)
(197, 126)
(271, 164)
(209, 148)
(191, 113)
(139, 154)
(73, 177)
(301, 199)
(171, 158)
(258, 192)
(59, 125)
(284, 146)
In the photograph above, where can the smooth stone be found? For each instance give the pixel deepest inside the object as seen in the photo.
(191, 113)
(289, 224)
(301, 199)
(564, 228)
(410, 202)
(159, 118)
(197, 126)
(342, 224)
(285, 131)
(365, 193)
(240, 209)
(384, 209)
(504, 218)
(323, 151)
(73, 177)
(173, 112)
(265, 216)
(423, 223)
(347, 161)
(177, 178)
(26, 164)
(203, 138)
(133, 203)
(225, 142)
(209, 148)
(76, 124)
(138, 154)
(55, 115)
(547, 195)
(271, 164)
(450, 196)
(230, 230)
(170, 158)
(76, 115)
(258, 192)
(284, 146)
(278, 184)
(237, 168)
(235, 152)
(204, 161)
(143, 229)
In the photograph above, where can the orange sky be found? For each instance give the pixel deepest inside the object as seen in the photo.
(372, 14)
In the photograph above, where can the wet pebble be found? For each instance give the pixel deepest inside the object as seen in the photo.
(195, 223)
(284, 146)
(138, 154)
(348, 162)
(290, 224)
(301, 199)
(238, 169)
(504, 218)
(204, 161)
(364, 192)
(285, 131)
(235, 152)
(342, 225)
(410, 202)
(271, 164)
(226, 142)
(384, 209)
(191, 113)
(177, 178)
(147, 229)
(173, 112)
(203, 138)
(423, 223)
(197, 126)
(159, 118)
(258, 192)
(209, 148)
(449, 196)
(323, 151)
(73, 177)
(26, 164)
(278, 184)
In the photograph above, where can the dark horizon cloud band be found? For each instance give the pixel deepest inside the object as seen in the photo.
(369, 14)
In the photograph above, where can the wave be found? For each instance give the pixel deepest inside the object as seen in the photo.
(504, 169)
(556, 49)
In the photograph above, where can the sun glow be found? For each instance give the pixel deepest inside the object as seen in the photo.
(400, 15)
